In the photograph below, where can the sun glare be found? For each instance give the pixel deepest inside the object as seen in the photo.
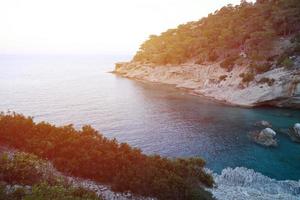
(93, 26)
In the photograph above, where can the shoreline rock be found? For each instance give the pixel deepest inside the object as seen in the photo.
(246, 184)
(204, 80)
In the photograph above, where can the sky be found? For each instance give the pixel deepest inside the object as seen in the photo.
(92, 26)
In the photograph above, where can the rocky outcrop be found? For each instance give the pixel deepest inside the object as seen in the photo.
(217, 83)
(246, 184)
(266, 137)
(294, 133)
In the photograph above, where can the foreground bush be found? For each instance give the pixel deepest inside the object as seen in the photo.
(247, 77)
(229, 62)
(59, 192)
(44, 191)
(87, 154)
(24, 176)
(25, 169)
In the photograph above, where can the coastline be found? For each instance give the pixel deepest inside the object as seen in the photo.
(188, 91)
(246, 184)
(205, 81)
(232, 183)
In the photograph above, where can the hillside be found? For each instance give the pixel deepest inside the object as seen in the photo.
(251, 50)
(89, 155)
(248, 29)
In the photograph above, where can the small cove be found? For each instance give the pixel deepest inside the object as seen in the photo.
(156, 118)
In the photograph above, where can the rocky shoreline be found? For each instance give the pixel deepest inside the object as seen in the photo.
(217, 83)
(238, 183)
(246, 184)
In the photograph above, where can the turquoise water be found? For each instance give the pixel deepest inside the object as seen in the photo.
(158, 119)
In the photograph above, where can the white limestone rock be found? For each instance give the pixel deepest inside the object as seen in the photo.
(266, 137)
(204, 80)
(294, 133)
(246, 184)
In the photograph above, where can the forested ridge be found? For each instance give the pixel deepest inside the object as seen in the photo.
(244, 34)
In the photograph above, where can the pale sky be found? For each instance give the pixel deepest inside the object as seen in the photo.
(92, 26)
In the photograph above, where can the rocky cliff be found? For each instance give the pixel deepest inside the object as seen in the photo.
(277, 87)
(247, 55)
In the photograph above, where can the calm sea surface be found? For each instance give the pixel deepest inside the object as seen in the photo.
(156, 118)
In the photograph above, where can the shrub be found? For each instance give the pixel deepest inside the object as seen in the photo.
(284, 60)
(287, 62)
(261, 68)
(17, 194)
(21, 168)
(297, 48)
(27, 169)
(247, 77)
(222, 78)
(60, 192)
(3, 194)
(200, 60)
(296, 39)
(268, 81)
(45, 191)
(86, 153)
(229, 62)
(212, 56)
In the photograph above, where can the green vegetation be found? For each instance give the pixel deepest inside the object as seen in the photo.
(24, 176)
(269, 81)
(45, 191)
(25, 169)
(296, 39)
(287, 62)
(229, 62)
(59, 192)
(86, 153)
(247, 77)
(246, 31)
(222, 78)
(260, 67)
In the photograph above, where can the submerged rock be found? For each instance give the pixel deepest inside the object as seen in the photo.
(266, 137)
(294, 133)
(263, 123)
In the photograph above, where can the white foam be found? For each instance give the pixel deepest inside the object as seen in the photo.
(246, 184)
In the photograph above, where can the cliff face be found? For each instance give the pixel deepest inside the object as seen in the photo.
(277, 87)
(245, 55)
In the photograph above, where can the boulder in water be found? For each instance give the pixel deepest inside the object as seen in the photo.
(266, 137)
(297, 129)
(294, 133)
(268, 132)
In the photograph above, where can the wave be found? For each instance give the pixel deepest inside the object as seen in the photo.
(245, 184)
